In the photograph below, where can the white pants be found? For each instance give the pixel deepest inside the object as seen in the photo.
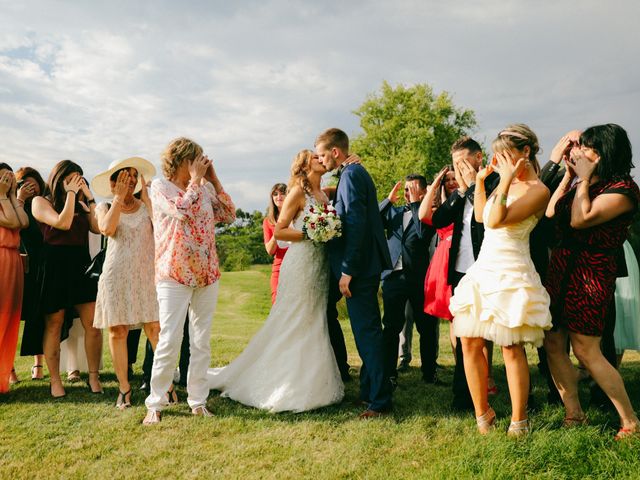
(174, 300)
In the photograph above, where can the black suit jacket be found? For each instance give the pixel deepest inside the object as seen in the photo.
(412, 243)
(452, 211)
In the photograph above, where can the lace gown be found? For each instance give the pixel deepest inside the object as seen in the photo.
(126, 289)
(289, 365)
(501, 297)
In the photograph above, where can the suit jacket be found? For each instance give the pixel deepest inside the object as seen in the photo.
(362, 250)
(452, 211)
(412, 243)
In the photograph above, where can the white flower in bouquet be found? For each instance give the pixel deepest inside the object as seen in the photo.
(321, 223)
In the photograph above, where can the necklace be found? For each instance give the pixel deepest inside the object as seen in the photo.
(128, 207)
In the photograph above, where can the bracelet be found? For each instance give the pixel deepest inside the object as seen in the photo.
(503, 199)
(89, 202)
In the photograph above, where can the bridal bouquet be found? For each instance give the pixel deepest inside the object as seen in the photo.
(321, 223)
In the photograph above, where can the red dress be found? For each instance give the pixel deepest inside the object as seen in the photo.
(437, 292)
(11, 285)
(582, 270)
(267, 230)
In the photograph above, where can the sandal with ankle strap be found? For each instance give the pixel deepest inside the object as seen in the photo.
(486, 421)
(172, 395)
(121, 401)
(14, 380)
(153, 417)
(96, 392)
(519, 428)
(34, 370)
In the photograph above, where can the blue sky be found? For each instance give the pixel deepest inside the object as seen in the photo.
(255, 81)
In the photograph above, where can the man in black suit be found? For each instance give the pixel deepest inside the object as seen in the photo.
(467, 237)
(408, 239)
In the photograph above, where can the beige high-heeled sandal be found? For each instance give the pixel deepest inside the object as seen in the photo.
(486, 421)
(519, 428)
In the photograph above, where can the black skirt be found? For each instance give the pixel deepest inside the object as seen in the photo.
(64, 283)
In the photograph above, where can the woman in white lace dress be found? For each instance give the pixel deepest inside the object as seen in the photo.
(126, 292)
(289, 364)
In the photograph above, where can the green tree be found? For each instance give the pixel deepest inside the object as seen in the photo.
(408, 130)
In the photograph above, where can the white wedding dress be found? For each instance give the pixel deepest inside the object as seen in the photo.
(289, 365)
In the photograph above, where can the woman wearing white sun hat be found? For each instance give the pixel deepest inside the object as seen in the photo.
(126, 294)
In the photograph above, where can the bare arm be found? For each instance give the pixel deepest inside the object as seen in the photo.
(44, 212)
(586, 213)
(293, 203)
(563, 188)
(533, 202)
(270, 242)
(425, 212)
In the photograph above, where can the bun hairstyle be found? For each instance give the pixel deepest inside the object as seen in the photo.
(518, 136)
(299, 169)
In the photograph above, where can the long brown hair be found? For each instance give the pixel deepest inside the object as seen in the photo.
(29, 172)
(273, 212)
(299, 169)
(55, 191)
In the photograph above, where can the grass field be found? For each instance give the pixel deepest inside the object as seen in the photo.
(84, 436)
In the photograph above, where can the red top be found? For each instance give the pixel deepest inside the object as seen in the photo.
(267, 230)
(77, 235)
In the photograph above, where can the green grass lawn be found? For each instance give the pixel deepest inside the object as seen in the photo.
(84, 436)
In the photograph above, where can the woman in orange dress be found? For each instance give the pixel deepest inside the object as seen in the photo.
(12, 219)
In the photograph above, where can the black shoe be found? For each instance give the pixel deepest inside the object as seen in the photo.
(403, 367)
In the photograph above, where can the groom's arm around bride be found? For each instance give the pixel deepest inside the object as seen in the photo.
(357, 259)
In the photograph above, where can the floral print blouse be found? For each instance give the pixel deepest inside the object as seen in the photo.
(184, 230)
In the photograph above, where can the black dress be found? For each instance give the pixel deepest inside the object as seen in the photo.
(32, 243)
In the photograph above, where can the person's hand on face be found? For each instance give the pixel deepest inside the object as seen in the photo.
(393, 194)
(26, 191)
(412, 192)
(582, 165)
(198, 168)
(507, 166)
(121, 187)
(5, 182)
(73, 183)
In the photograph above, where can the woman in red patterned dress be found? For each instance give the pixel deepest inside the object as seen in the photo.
(437, 291)
(273, 247)
(592, 221)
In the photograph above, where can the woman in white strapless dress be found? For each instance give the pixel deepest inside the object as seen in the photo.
(289, 365)
(501, 297)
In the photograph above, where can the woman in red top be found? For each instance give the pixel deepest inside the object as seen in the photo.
(437, 291)
(278, 193)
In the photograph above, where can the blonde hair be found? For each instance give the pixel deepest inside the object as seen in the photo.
(518, 136)
(299, 169)
(176, 153)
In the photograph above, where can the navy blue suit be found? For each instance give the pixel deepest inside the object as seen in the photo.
(407, 285)
(361, 252)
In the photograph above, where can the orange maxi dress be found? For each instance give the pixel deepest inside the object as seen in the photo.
(11, 286)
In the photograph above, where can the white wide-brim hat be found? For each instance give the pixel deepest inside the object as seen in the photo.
(101, 185)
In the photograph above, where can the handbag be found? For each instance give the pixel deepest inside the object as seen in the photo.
(94, 270)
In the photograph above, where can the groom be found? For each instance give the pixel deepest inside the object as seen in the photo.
(357, 258)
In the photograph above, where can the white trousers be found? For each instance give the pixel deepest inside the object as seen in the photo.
(174, 300)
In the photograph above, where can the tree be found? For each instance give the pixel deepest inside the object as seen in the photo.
(240, 244)
(408, 130)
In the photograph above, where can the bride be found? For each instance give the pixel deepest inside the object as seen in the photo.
(289, 364)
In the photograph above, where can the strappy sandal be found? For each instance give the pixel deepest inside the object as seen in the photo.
(486, 421)
(34, 373)
(569, 422)
(121, 402)
(74, 376)
(519, 428)
(96, 392)
(14, 380)
(201, 411)
(153, 417)
(172, 395)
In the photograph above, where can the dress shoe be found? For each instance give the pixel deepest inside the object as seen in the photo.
(369, 414)
(403, 367)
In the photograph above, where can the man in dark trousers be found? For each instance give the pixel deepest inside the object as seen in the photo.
(467, 238)
(357, 259)
(408, 239)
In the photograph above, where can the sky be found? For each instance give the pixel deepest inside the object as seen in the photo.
(254, 82)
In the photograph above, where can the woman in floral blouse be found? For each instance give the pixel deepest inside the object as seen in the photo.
(187, 204)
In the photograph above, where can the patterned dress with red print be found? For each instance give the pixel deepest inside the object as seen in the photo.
(582, 270)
